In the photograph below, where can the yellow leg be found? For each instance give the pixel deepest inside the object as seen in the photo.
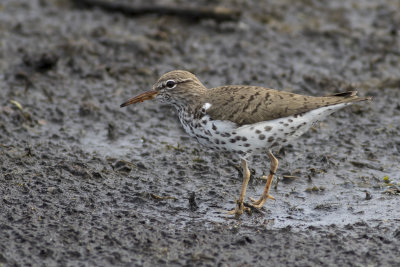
(274, 166)
(240, 208)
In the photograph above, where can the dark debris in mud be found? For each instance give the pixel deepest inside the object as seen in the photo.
(83, 182)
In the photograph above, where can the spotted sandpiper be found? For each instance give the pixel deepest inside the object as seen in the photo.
(243, 119)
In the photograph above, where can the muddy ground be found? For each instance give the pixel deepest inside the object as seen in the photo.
(80, 177)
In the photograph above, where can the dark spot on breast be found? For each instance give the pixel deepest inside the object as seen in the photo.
(223, 142)
(247, 145)
(225, 134)
(232, 140)
(204, 121)
(281, 122)
(286, 124)
(242, 97)
(233, 132)
(244, 138)
(284, 141)
(258, 131)
(267, 128)
(249, 151)
(290, 120)
(216, 141)
(203, 137)
(286, 134)
(261, 137)
(270, 139)
(252, 128)
(208, 133)
(214, 127)
(281, 130)
(292, 132)
(238, 138)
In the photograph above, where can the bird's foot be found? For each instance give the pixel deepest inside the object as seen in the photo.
(259, 203)
(240, 208)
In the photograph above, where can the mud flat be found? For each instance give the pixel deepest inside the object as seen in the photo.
(83, 182)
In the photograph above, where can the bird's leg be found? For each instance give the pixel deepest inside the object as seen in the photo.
(274, 166)
(239, 203)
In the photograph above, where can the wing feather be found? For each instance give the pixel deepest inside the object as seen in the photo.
(251, 104)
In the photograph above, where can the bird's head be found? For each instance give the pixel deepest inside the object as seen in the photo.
(176, 87)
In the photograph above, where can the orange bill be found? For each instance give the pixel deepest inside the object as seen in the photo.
(140, 98)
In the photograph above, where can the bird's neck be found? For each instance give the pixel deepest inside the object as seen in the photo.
(189, 100)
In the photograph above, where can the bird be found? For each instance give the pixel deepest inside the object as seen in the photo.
(243, 119)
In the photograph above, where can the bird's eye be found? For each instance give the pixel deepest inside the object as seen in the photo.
(170, 84)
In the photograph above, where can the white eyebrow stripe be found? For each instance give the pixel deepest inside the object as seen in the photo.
(185, 80)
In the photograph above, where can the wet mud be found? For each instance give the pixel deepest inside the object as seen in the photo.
(83, 182)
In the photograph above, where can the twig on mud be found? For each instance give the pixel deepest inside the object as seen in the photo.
(392, 190)
(194, 13)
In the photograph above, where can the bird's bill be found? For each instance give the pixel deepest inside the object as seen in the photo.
(140, 98)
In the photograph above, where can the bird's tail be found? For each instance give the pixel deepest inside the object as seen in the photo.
(351, 96)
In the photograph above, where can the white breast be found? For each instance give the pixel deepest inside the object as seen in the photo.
(251, 138)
